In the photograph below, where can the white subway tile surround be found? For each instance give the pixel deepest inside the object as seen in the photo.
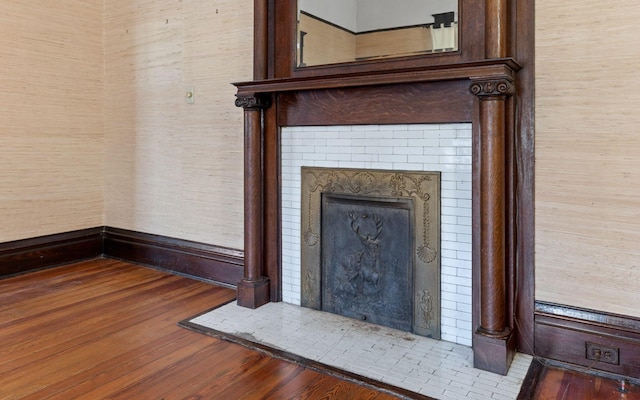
(431, 147)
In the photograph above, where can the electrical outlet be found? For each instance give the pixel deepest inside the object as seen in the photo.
(602, 353)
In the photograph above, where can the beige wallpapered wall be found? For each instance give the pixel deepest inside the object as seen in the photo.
(77, 152)
(95, 126)
(588, 154)
(51, 137)
(173, 168)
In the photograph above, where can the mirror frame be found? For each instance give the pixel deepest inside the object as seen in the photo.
(471, 18)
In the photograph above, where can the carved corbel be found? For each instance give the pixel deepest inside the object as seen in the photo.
(488, 89)
(253, 101)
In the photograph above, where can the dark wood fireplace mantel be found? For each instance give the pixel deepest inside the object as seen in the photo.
(482, 84)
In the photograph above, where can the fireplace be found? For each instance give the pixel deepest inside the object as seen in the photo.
(479, 84)
(370, 246)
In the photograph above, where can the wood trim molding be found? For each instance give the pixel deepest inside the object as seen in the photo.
(447, 102)
(204, 261)
(198, 260)
(488, 69)
(566, 334)
(523, 179)
(31, 254)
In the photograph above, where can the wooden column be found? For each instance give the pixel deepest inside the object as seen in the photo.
(253, 289)
(260, 39)
(496, 29)
(493, 349)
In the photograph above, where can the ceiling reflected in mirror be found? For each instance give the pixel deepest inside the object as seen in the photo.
(341, 31)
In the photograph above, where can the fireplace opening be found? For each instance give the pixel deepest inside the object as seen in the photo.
(370, 246)
(366, 263)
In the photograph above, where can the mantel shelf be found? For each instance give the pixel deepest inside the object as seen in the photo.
(486, 69)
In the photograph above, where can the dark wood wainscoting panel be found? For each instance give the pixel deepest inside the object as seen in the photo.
(26, 255)
(592, 339)
(407, 103)
(195, 259)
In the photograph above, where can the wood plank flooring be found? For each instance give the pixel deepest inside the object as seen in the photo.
(547, 381)
(106, 329)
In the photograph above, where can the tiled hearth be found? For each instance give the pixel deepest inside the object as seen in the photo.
(438, 369)
(431, 147)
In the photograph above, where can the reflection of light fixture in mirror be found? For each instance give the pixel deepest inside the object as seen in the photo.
(444, 32)
(301, 49)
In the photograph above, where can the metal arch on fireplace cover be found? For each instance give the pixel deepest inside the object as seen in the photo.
(420, 186)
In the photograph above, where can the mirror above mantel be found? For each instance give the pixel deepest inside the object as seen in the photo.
(332, 31)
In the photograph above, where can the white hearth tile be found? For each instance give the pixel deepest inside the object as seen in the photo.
(402, 127)
(342, 157)
(463, 168)
(407, 166)
(455, 142)
(464, 151)
(365, 157)
(463, 255)
(464, 238)
(447, 134)
(380, 165)
(410, 151)
(348, 164)
(464, 221)
(439, 369)
(334, 128)
(464, 133)
(327, 163)
(314, 157)
(374, 148)
(427, 127)
(409, 134)
(393, 158)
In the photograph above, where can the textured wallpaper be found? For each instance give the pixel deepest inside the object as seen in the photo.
(51, 126)
(588, 155)
(174, 168)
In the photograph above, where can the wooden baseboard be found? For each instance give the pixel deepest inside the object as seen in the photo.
(198, 260)
(203, 261)
(592, 339)
(31, 254)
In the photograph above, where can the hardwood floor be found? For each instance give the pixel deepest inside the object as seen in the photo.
(547, 381)
(107, 329)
